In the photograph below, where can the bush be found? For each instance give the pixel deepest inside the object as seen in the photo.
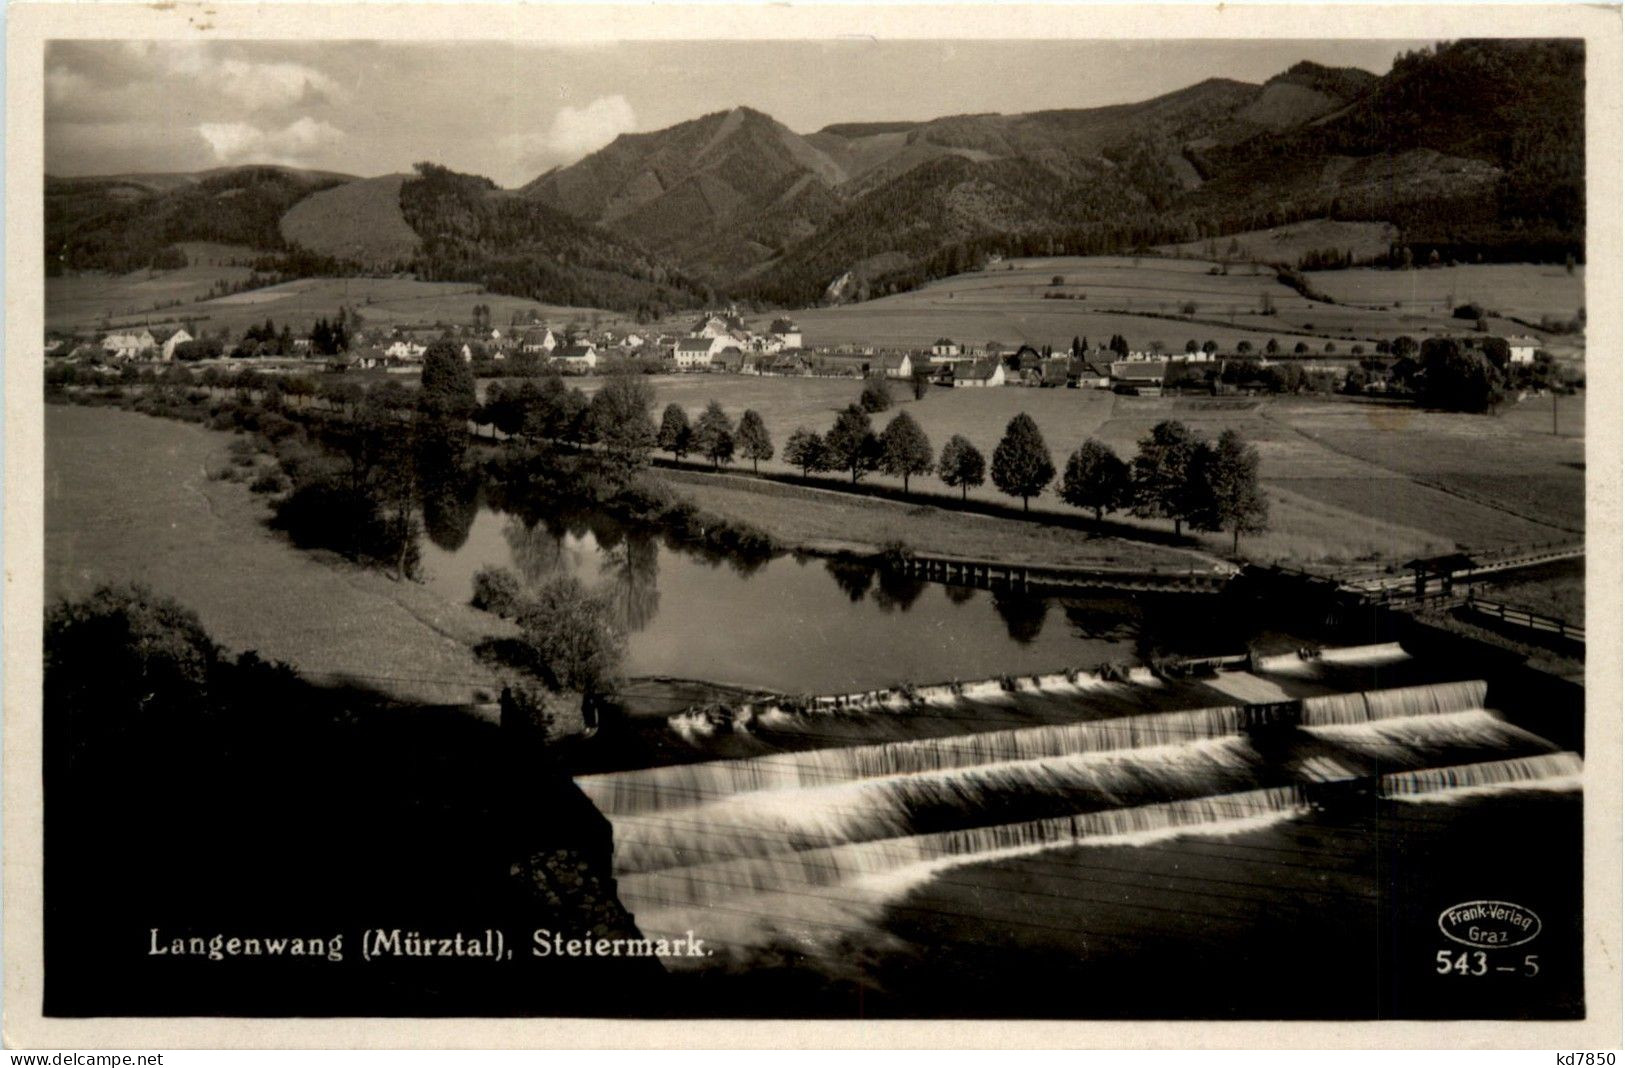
(1469, 311)
(268, 482)
(497, 590)
(876, 396)
(573, 630)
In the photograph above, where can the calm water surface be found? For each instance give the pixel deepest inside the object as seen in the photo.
(795, 625)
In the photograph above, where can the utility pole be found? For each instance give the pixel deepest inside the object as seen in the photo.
(1554, 413)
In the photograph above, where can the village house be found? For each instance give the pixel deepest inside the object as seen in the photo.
(1521, 348)
(1143, 377)
(370, 357)
(694, 352)
(897, 365)
(406, 350)
(979, 373)
(128, 346)
(793, 362)
(539, 341)
(168, 344)
(843, 364)
(1055, 372)
(1088, 374)
(730, 359)
(716, 325)
(578, 358)
(786, 332)
(946, 349)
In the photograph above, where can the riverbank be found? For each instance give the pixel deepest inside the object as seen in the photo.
(129, 499)
(820, 520)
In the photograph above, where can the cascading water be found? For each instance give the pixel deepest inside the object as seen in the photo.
(1551, 771)
(689, 784)
(1431, 699)
(807, 846)
(771, 821)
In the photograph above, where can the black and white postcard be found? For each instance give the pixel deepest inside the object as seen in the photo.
(729, 524)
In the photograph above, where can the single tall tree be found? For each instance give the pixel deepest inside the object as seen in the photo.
(1021, 461)
(714, 435)
(806, 450)
(904, 449)
(754, 443)
(676, 436)
(852, 443)
(1097, 478)
(1226, 491)
(1162, 473)
(961, 465)
(448, 384)
(876, 396)
(619, 420)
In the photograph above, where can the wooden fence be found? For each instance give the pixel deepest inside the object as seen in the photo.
(1520, 618)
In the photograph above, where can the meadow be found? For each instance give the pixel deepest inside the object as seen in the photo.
(83, 302)
(161, 520)
(1349, 480)
(1286, 244)
(1169, 300)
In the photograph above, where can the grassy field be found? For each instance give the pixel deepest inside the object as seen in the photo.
(826, 520)
(1527, 291)
(161, 520)
(1557, 590)
(1150, 299)
(82, 301)
(86, 299)
(1348, 480)
(1285, 244)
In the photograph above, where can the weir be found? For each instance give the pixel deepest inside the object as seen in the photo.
(789, 844)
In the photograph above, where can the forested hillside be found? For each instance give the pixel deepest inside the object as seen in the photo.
(474, 232)
(1474, 149)
(122, 224)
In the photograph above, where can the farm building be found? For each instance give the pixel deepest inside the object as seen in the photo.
(1056, 371)
(1522, 348)
(692, 352)
(897, 365)
(786, 332)
(168, 342)
(406, 350)
(979, 373)
(730, 359)
(788, 362)
(1142, 376)
(1088, 374)
(843, 364)
(539, 340)
(127, 346)
(580, 358)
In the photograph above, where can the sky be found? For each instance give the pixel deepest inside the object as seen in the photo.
(513, 110)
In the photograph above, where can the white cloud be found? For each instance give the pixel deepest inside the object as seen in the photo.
(256, 84)
(577, 131)
(273, 84)
(293, 145)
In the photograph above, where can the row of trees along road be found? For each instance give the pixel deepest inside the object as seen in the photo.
(1176, 474)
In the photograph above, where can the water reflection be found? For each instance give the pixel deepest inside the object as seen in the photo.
(633, 570)
(1023, 614)
(853, 577)
(797, 624)
(897, 590)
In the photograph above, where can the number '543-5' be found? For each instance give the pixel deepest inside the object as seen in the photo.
(1476, 962)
